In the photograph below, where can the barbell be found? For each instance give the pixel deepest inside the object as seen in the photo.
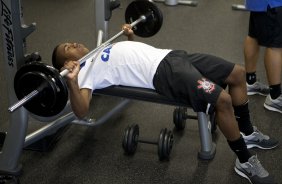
(42, 89)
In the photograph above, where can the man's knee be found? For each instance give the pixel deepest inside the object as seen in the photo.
(238, 75)
(224, 101)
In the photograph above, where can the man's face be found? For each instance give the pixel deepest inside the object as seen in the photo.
(71, 51)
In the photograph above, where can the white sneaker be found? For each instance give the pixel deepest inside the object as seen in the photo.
(253, 171)
(257, 88)
(273, 104)
(259, 140)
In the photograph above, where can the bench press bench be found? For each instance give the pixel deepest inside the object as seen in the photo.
(12, 144)
(208, 147)
(56, 124)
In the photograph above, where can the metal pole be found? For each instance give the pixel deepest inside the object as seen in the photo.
(13, 40)
(207, 146)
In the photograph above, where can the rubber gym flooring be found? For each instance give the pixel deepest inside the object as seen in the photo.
(87, 155)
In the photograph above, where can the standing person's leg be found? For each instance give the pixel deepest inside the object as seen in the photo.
(273, 65)
(266, 27)
(273, 59)
(251, 54)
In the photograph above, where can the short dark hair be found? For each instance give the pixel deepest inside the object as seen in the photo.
(55, 62)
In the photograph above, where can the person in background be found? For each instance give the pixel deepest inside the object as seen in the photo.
(265, 30)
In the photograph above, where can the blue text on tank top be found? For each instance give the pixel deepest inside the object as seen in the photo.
(105, 56)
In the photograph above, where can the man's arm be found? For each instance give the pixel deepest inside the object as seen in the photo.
(79, 98)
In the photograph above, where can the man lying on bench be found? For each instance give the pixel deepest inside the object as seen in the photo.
(195, 79)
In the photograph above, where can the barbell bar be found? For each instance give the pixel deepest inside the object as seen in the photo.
(149, 21)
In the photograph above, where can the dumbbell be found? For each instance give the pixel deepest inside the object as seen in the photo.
(131, 139)
(180, 116)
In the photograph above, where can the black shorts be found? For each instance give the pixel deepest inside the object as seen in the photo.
(195, 79)
(266, 27)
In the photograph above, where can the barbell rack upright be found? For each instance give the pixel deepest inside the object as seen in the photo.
(14, 33)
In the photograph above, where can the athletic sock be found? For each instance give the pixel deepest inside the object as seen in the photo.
(240, 149)
(275, 91)
(242, 115)
(251, 78)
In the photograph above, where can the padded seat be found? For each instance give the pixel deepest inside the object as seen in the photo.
(136, 93)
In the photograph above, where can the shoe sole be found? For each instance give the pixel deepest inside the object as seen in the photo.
(256, 93)
(271, 108)
(242, 174)
(258, 146)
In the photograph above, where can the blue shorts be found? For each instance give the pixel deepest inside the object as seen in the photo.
(195, 79)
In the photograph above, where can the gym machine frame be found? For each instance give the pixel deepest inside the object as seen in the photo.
(14, 33)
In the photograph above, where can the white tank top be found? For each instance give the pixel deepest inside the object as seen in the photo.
(124, 63)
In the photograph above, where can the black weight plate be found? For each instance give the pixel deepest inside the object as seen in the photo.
(169, 142)
(47, 97)
(161, 144)
(166, 146)
(154, 17)
(125, 139)
(132, 139)
(178, 118)
(52, 99)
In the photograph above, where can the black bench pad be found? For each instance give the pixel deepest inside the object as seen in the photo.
(135, 93)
